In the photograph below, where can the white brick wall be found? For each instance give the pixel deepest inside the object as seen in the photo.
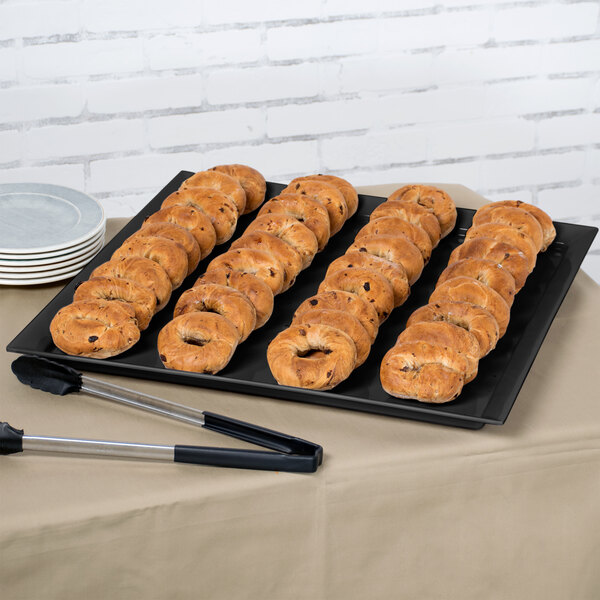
(115, 97)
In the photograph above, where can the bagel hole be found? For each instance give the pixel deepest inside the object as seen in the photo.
(314, 353)
(195, 342)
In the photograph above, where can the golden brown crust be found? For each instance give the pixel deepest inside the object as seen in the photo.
(221, 182)
(289, 257)
(220, 299)
(446, 336)
(255, 289)
(366, 283)
(291, 231)
(347, 189)
(394, 273)
(543, 219)
(395, 248)
(433, 199)
(508, 257)
(466, 289)
(192, 219)
(175, 233)
(291, 361)
(95, 328)
(249, 260)
(473, 319)
(308, 211)
(505, 233)
(516, 218)
(345, 322)
(170, 255)
(420, 371)
(141, 299)
(413, 213)
(394, 226)
(328, 195)
(144, 271)
(200, 342)
(251, 180)
(486, 271)
(347, 302)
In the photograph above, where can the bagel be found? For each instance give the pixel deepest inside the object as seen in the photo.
(175, 233)
(508, 257)
(345, 322)
(220, 299)
(218, 207)
(286, 254)
(144, 271)
(192, 219)
(250, 260)
(344, 301)
(486, 271)
(291, 363)
(221, 182)
(395, 248)
(447, 336)
(331, 198)
(200, 342)
(367, 284)
(516, 218)
(347, 189)
(393, 272)
(505, 233)
(170, 255)
(140, 298)
(433, 199)
(395, 226)
(549, 232)
(95, 328)
(413, 213)
(255, 289)
(473, 319)
(252, 182)
(420, 371)
(291, 231)
(308, 211)
(466, 289)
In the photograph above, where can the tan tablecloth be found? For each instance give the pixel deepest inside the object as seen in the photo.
(399, 509)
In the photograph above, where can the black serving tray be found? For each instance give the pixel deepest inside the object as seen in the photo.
(488, 399)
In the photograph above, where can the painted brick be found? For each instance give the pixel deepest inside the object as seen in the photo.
(398, 146)
(408, 71)
(8, 64)
(40, 102)
(591, 170)
(569, 202)
(206, 128)
(522, 195)
(194, 50)
(481, 138)
(70, 175)
(11, 146)
(575, 130)
(142, 94)
(85, 138)
(442, 29)
(546, 21)
(240, 11)
(48, 61)
(139, 15)
(359, 7)
(37, 19)
(571, 57)
(262, 83)
(455, 66)
(338, 38)
(533, 170)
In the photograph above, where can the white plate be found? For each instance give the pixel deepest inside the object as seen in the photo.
(52, 257)
(39, 280)
(39, 217)
(71, 263)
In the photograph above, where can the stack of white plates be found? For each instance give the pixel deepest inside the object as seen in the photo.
(47, 232)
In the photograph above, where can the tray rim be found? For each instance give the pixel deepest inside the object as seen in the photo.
(419, 411)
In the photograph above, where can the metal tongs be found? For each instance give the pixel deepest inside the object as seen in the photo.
(290, 454)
